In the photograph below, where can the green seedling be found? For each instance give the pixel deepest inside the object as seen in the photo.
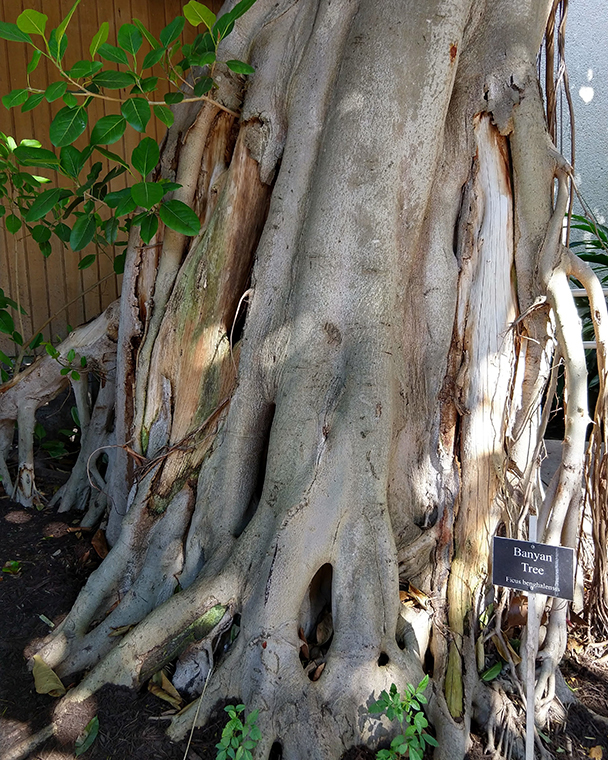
(238, 738)
(408, 711)
(12, 567)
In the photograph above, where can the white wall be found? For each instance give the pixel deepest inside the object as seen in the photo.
(587, 62)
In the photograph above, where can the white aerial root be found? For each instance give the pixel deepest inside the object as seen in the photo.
(40, 383)
(559, 512)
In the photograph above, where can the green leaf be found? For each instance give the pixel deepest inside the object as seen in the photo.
(173, 97)
(126, 206)
(67, 126)
(164, 114)
(83, 69)
(137, 112)
(202, 86)
(491, 673)
(57, 46)
(179, 217)
(86, 262)
(152, 41)
(35, 99)
(99, 38)
(13, 33)
(149, 228)
(33, 64)
(204, 59)
(15, 98)
(129, 38)
(32, 22)
(145, 156)
(41, 234)
(45, 249)
(147, 194)
(7, 325)
(240, 9)
(88, 736)
(70, 100)
(64, 24)
(110, 229)
(240, 67)
(203, 43)
(113, 53)
(119, 263)
(172, 31)
(114, 198)
(114, 80)
(13, 223)
(147, 84)
(108, 130)
(153, 57)
(72, 161)
(63, 232)
(71, 355)
(55, 91)
(222, 27)
(197, 13)
(41, 157)
(45, 202)
(36, 341)
(112, 156)
(82, 233)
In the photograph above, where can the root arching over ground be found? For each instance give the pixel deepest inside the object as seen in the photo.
(384, 213)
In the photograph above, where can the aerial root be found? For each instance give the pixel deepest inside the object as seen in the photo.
(86, 487)
(504, 728)
(40, 383)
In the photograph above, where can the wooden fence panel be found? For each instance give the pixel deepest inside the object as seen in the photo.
(53, 291)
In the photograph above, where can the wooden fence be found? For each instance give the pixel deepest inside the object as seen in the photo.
(53, 291)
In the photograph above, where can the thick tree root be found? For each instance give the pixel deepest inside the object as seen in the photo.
(42, 382)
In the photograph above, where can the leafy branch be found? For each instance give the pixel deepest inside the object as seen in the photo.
(89, 211)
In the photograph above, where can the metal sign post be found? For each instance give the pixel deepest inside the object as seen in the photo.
(531, 641)
(534, 568)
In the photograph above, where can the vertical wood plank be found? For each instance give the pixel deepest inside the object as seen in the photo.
(45, 286)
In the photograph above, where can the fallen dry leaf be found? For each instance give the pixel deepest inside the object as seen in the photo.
(518, 612)
(596, 752)
(46, 680)
(504, 649)
(304, 651)
(419, 596)
(317, 674)
(325, 629)
(99, 543)
(161, 687)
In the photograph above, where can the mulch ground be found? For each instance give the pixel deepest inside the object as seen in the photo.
(50, 559)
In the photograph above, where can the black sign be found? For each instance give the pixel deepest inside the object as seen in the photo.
(533, 567)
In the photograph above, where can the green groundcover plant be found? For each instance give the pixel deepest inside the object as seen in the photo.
(408, 711)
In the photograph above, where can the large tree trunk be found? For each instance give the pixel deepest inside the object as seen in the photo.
(383, 212)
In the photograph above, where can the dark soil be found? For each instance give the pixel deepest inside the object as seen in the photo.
(54, 559)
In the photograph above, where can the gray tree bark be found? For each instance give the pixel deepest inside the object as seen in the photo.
(383, 210)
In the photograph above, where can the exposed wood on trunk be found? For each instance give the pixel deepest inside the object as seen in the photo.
(487, 307)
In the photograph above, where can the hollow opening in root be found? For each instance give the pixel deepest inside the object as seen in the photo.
(315, 622)
(261, 474)
(276, 751)
(383, 659)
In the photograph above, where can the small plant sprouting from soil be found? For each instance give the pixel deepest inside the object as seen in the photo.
(408, 711)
